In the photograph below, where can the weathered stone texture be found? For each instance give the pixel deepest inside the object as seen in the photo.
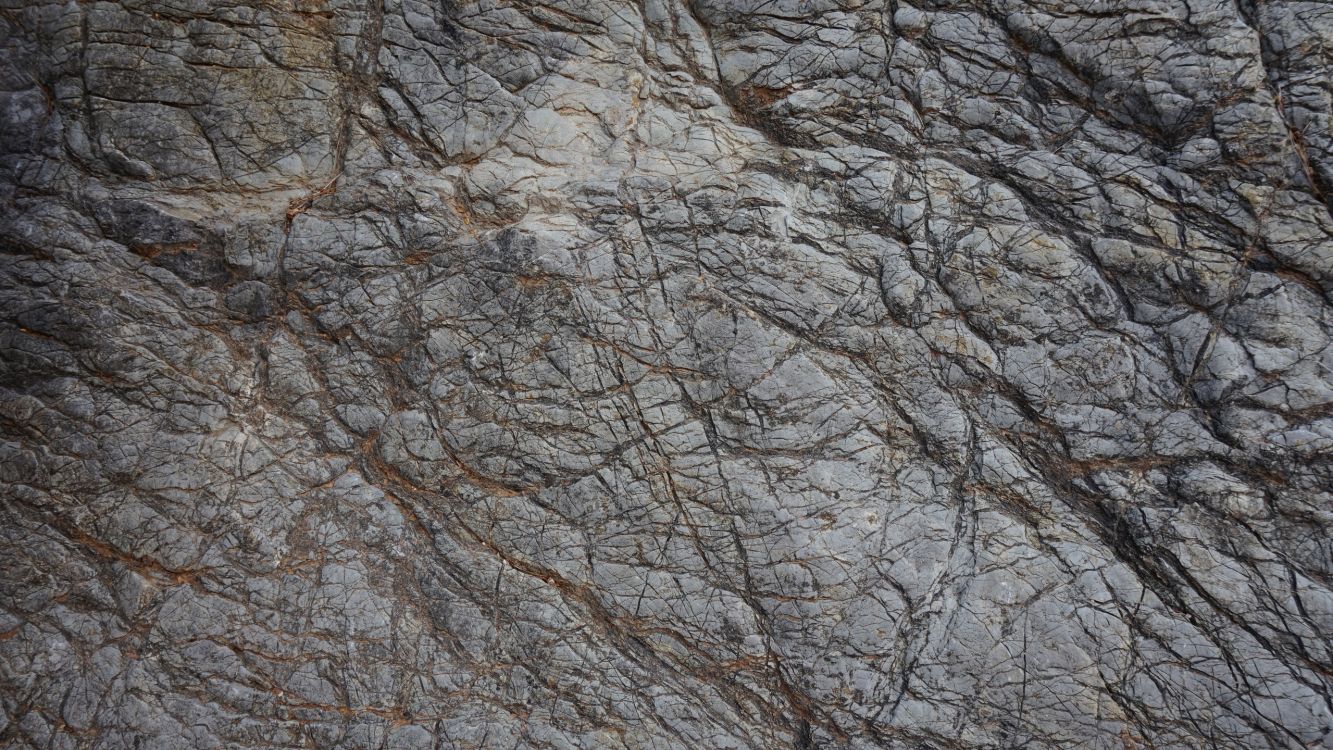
(803, 374)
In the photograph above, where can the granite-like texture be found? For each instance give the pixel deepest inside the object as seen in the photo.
(666, 374)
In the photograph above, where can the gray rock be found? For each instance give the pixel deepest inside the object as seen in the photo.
(683, 373)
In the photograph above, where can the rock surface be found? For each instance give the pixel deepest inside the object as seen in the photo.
(666, 374)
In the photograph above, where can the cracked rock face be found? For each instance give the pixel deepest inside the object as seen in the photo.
(666, 374)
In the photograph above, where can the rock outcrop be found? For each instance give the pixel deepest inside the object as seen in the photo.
(666, 374)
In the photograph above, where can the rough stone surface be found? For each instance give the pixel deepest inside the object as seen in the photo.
(803, 374)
